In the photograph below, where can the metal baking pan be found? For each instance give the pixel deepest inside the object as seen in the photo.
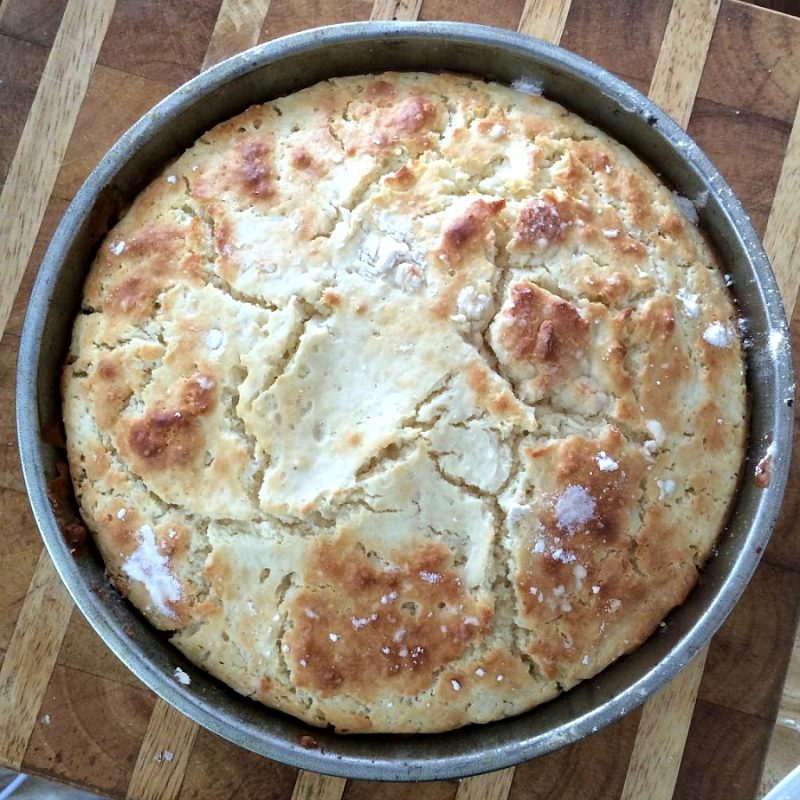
(285, 66)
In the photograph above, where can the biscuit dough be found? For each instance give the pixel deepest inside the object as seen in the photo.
(404, 402)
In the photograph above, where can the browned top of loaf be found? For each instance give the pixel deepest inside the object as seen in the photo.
(406, 401)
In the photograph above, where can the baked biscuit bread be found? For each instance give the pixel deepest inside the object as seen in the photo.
(404, 402)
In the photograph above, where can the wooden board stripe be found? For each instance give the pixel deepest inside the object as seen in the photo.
(238, 27)
(661, 737)
(163, 756)
(544, 19)
(395, 9)
(407, 10)
(311, 786)
(44, 140)
(782, 239)
(656, 757)
(491, 786)
(683, 56)
(784, 745)
(30, 659)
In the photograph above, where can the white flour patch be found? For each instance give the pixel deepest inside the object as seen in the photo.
(518, 511)
(575, 507)
(776, 340)
(151, 568)
(605, 463)
(528, 85)
(686, 207)
(665, 488)
(690, 302)
(182, 677)
(718, 334)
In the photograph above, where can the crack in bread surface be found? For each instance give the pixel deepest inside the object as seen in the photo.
(449, 330)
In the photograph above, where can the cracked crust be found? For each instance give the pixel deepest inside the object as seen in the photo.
(405, 402)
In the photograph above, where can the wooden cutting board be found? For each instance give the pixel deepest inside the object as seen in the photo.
(74, 74)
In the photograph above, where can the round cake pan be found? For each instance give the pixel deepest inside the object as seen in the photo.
(285, 66)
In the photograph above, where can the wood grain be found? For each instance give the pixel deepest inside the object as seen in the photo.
(544, 19)
(164, 41)
(782, 239)
(743, 114)
(291, 16)
(395, 9)
(753, 62)
(312, 786)
(21, 65)
(30, 659)
(491, 786)
(749, 655)
(88, 732)
(164, 755)
(102, 121)
(723, 755)
(784, 745)
(431, 790)
(598, 761)
(597, 36)
(661, 738)
(502, 15)
(34, 21)
(10, 475)
(44, 139)
(782, 243)
(18, 555)
(720, 131)
(781, 758)
(9, 466)
(237, 28)
(782, 6)
(683, 56)
(222, 771)
(657, 752)
(83, 650)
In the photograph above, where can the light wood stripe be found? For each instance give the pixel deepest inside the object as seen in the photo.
(658, 749)
(238, 27)
(782, 239)
(492, 786)
(45, 137)
(544, 19)
(311, 786)
(30, 659)
(164, 755)
(407, 10)
(784, 746)
(682, 57)
(656, 757)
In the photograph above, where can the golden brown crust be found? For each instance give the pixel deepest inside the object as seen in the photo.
(360, 629)
(405, 402)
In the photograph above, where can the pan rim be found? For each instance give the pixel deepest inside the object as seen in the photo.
(383, 765)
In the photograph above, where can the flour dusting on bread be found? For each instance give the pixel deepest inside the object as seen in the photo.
(405, 402)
